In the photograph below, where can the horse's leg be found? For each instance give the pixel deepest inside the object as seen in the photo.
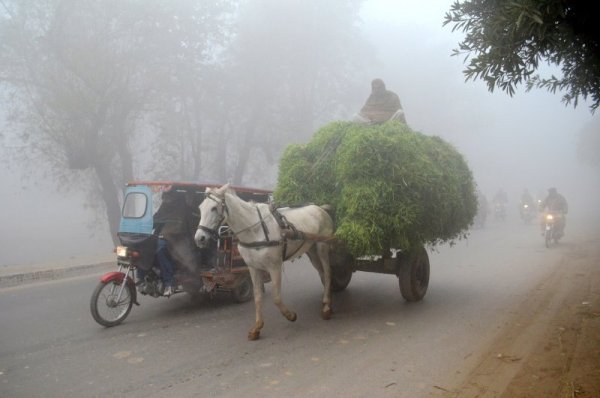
(254, 333)
(319, 257)
(275, 272)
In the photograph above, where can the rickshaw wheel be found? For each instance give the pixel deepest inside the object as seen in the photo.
(413, 277)
(243, 291)
(104, 307)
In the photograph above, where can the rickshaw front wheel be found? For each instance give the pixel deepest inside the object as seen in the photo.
(107, 307)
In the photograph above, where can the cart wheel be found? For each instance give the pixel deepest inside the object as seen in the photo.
(414, 275)
(341, 262)
(340, 278)
(244, 290)
(108, 309)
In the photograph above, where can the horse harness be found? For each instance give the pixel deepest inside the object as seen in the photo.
(288, 230)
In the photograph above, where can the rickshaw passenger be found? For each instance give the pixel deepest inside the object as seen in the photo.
(168, 225)
(166, 267)
(165, 215)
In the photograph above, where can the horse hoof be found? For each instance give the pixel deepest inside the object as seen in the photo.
(253, 335)
(326, 315)
(291, 316)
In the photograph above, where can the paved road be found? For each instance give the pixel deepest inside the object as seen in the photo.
(375, 345)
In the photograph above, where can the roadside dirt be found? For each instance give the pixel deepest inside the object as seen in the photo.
(551, 346)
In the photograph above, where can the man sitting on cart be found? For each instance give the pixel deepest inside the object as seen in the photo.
(381, 106)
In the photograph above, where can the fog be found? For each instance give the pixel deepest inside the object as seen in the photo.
(525, 141)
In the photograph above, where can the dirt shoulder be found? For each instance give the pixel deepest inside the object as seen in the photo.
(551, 346)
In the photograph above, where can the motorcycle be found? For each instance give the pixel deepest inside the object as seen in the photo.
(499, 212)
(197, 271)
(527, 212)
(552, 229)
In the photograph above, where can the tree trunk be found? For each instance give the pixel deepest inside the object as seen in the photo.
(110, 196)
(244, 152)
(247, 145)
(220, 158)
(126, 162)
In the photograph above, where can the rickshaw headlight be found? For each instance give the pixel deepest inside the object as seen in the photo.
(549, 217)
(121, 251)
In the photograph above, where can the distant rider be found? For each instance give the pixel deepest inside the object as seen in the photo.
(526, 199)
(556, 204)
(500, 201)
(482, 210)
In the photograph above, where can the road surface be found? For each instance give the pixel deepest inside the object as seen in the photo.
(482, 317)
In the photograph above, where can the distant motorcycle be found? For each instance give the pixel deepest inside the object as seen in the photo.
(527, 213)
(552, 230)
(499, 212)
(539, 204)
(479, 220)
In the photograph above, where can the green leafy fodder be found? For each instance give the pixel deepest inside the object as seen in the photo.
(391, 187)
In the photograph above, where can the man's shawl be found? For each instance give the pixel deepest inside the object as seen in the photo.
(381, 106)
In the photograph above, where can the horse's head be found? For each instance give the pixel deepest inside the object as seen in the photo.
(213, 212)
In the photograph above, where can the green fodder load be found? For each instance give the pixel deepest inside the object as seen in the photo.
(391, 187)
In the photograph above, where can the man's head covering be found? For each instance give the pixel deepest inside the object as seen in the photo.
(377, 85)
(552, 191)
(382, 104)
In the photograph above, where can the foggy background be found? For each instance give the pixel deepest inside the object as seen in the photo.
(274, 73)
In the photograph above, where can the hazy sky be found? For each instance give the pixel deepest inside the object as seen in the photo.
(509, 142)
(525, 141)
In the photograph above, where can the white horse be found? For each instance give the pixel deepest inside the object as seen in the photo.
(264, 244)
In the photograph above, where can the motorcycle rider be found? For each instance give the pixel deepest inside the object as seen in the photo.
(526, 199)
(500, 200)
(482, 210)
(539, 199)
(556, 204)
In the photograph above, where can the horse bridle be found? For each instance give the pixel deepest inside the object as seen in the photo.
(213, 232)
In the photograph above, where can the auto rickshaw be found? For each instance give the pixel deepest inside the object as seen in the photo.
(218, 268)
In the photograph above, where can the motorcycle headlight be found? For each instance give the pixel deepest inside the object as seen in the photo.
(525, 206)
(121, 251)
(549, 217)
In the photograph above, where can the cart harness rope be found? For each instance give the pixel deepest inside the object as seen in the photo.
(288, 230)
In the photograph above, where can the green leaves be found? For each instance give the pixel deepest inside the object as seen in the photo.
(391, 187)
(505, 41)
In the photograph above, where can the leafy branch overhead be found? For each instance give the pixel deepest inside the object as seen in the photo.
(506, 42)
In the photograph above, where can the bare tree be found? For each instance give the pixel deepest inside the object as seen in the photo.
(293, 64)
(82, 74)
(190, 105)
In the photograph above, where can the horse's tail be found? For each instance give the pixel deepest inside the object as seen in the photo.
(329, 210)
